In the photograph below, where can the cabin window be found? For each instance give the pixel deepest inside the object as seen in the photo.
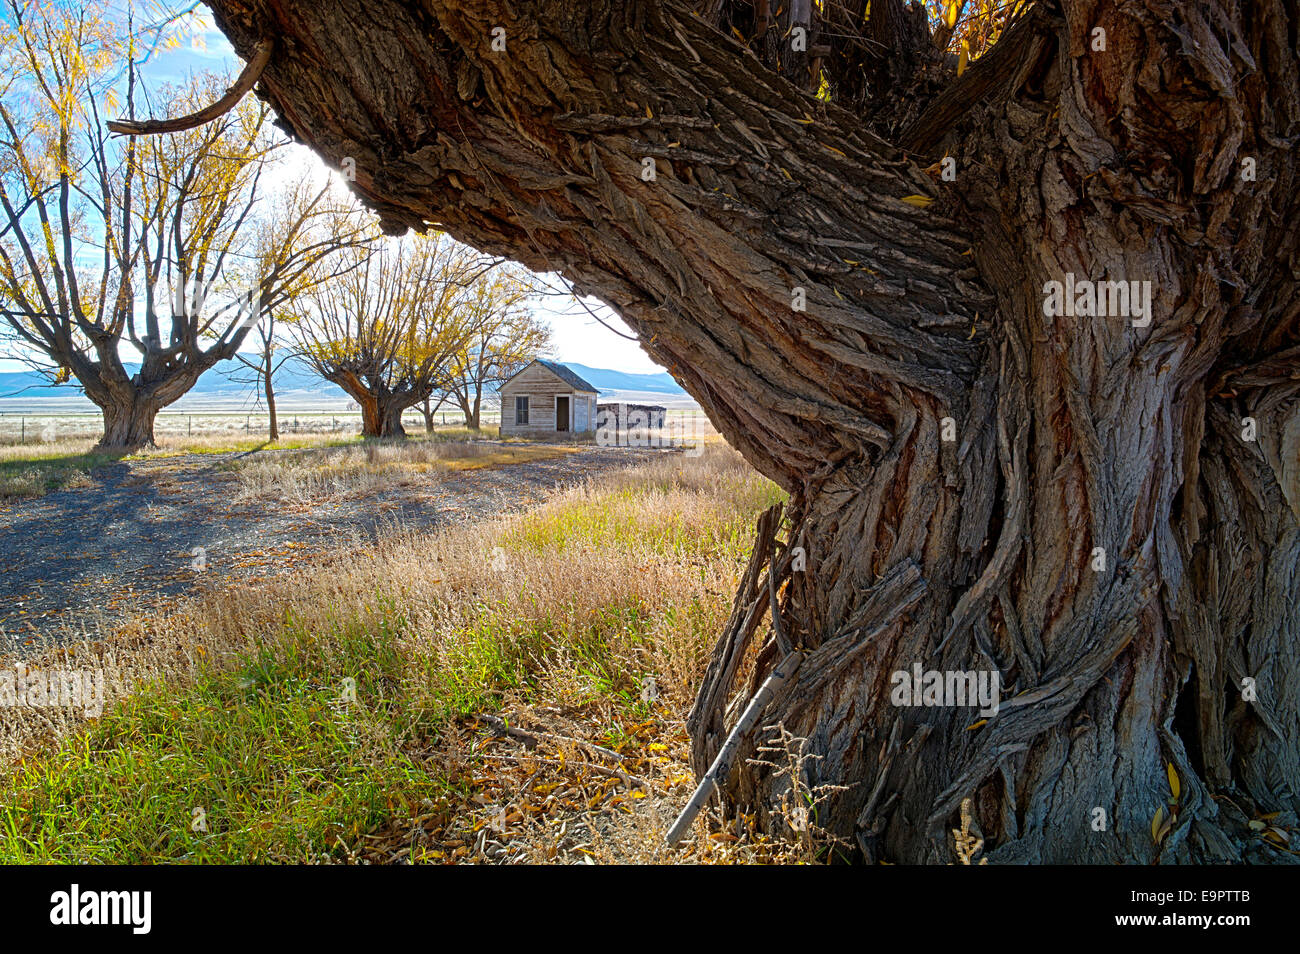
(521, 410)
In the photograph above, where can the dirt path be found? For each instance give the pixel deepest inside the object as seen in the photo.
(149, 530)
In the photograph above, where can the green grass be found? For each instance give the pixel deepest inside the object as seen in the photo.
(37, 476)
(279, 764)
(674, 534)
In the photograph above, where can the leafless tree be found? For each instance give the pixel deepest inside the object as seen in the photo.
(296, 246)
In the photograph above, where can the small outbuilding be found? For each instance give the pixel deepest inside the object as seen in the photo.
(545, 399)
(623, 416)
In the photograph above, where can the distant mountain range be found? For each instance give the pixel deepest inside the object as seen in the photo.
(296, 386)
(224, 384)
(607, 380)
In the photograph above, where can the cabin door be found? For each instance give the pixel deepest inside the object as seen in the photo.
(562, 413)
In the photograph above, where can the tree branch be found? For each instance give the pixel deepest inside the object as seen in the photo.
(250, 75)
(1011, 57)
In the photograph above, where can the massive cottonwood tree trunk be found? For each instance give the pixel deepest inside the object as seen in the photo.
(130, 404)
(1098, 531)
(129, 424)
(381, 407)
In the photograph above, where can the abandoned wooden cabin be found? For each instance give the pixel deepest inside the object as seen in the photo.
(545, 399)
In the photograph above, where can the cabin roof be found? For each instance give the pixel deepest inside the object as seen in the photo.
(560, 371)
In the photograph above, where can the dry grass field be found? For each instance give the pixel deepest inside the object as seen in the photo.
(330, 472)
(511, 689)
(34, 469)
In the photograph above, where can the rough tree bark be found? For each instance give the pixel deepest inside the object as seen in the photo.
(1072, 433)
(129, 424)
(130, 403)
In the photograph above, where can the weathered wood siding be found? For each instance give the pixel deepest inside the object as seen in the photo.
(541, 387)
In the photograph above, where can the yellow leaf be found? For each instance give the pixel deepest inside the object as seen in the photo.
(1157, 825)
(1173, 780)
(976, 725)
(963, 58)
(950, 14)
(920, 201)
(648, 114)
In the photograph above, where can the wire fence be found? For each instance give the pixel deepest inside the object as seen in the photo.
(27, 428)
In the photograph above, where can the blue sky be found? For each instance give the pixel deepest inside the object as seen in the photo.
(578, 337)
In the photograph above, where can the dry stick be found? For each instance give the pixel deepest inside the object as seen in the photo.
(524, 735)
(250, 75)
(782, 643)
(722, 764)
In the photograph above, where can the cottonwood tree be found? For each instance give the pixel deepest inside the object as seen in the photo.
(60, 190)
(503, 336)
(387, 330)
(838, 234)
(110, 246)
